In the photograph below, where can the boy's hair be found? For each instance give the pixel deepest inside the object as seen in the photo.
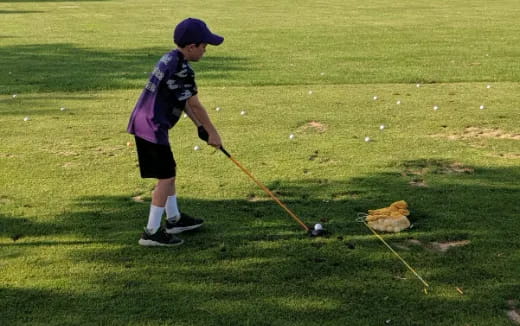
(185, 45)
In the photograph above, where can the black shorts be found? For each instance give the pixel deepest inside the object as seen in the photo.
(155, 160)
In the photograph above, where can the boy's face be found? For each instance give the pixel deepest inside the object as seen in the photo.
(194, 52)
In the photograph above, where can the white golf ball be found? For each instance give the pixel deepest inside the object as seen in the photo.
(310, 92)
(488, 86)
(398, 102)
(482, 107)
(26, 119)
(322, 74)
(382, 127)
(318, 227)
(418, 85)
(375, 98)
(63, 109)
(243, 112)
(196, 148)
(435, 108)
(217, 109)
(367, 139)
(14, 95)
(291, 136)
(184, 115)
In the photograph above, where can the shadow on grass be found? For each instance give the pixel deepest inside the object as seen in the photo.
(250, 264)
(65, 67)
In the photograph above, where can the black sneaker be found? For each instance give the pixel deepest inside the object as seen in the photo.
(159, 238)
(185, 223)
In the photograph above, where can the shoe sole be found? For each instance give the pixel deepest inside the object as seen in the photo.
(151, 243)
(182, 229)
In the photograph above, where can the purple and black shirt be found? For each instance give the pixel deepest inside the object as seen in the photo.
(163, 99)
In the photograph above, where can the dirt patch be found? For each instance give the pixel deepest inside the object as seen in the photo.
(445, 246)
(254, 198)
(441, 247)
(507, 155)
(313, 125)
(423, 167)
(477, 132)
(418, 183)
(345, 195)
(513, 313)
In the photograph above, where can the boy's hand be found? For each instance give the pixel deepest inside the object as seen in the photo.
(212, 139)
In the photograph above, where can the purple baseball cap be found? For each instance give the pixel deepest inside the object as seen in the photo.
(193, 31)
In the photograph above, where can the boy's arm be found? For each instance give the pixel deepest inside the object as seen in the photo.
(198, 114)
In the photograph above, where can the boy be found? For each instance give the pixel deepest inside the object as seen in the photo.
(170, 91)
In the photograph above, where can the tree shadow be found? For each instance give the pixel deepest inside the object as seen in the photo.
(66, 67)
(252, 263)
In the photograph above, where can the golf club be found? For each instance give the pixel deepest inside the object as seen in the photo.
(313, 231)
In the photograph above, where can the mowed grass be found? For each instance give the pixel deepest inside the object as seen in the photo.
(72, 205)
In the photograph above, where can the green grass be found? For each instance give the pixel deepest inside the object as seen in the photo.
(69, 226)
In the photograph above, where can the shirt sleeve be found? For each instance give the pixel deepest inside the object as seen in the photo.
(182, 83)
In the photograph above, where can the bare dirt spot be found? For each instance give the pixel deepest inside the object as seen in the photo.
(418, 183)
(441, 247)
(507, 155)
(445, 246)
(477, 132)
(345, 195)
(253, 198)
(313, 125)
(513, 312)
(423, 167)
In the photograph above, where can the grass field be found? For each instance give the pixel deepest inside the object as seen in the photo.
(72, 205)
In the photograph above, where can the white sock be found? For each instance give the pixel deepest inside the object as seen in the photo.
(172, 211)
(154, 219)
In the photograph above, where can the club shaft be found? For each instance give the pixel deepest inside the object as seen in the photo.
(267, 191)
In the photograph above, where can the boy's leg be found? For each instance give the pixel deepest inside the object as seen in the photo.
(163, 189)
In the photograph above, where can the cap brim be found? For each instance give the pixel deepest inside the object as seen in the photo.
(214, 39)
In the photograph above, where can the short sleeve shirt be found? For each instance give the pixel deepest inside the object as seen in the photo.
(163, 99)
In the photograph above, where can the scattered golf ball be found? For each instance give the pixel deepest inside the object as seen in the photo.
(482, 107)
(217, 108)
(418, 85)
(291, 136)
(184, 115)
(14, 95)
(488, 86)
(310, 92)
(375, 98)
(435, 108)
(367, 139)
(243, 112)
(26, 119)
(323, 74)
(196, 148)
(398, 102)
(382, 127)
(63, 109)
(318, 227)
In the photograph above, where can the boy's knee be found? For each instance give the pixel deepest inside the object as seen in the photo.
(166, 181)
